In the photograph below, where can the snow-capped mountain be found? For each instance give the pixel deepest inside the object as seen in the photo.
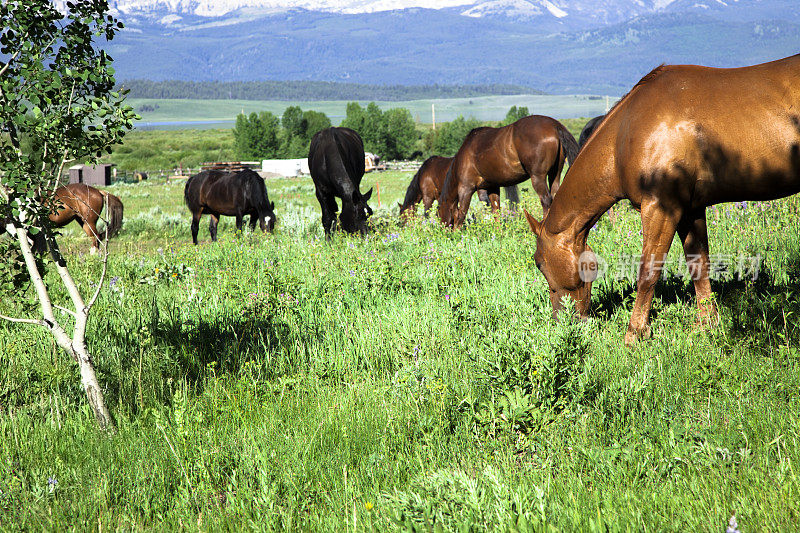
(565, 46)
(603, 10)
(218, 8)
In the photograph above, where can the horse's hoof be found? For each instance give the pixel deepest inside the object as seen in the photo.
(632, 337)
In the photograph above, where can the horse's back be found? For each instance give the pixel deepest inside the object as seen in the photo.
(588, 129)
(336, 155)
(233, 193)
(77, 200)
(728, 131)
(436, 170)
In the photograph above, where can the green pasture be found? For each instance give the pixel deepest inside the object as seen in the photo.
(412, 380)
(447, 109)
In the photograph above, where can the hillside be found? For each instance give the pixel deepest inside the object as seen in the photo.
(444, 47)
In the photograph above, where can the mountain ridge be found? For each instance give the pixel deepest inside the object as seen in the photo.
(575, 53)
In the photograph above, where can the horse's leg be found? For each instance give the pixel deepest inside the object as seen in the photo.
(539, 182)
(328, 206)
(91, 230)
(694, 235)
(212, 225)
(427, 203)
(494, 199)
(483, 196)
(512, 195)
(254, 219)
(196, 225)
(658, 227)
(464, 198)
(239, 223)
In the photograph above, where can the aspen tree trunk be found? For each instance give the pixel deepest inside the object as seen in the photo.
(75, 345)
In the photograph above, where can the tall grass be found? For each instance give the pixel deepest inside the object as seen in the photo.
(412, 380)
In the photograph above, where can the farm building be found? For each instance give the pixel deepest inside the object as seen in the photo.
(286, 167)
(91, 174)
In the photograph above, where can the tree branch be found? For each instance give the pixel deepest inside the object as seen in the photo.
(66, 310)
(36, 277)
(33, 321)
(103, 273)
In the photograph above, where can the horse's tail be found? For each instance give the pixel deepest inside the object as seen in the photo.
(258, 195)
(114, 214)
(568, 142)
(191, 200)
(414, 192)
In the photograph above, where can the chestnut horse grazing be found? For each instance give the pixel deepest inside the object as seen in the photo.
(684, 138)
(234, 194)
(426, 185)
(533, 147)
(83, 204)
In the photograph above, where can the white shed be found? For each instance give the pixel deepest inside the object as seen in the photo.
(286, 167)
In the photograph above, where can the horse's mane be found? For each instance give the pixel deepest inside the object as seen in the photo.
(475, 131)
(647, 78)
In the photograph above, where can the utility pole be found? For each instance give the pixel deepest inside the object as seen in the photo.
(433, 114)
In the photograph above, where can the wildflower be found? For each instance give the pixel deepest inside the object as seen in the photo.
(733, 527)
(447, 297)
(368, 506)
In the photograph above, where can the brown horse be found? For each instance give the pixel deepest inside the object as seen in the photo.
(426, 186)
(533, 147)
(684, 138)
(83, 204)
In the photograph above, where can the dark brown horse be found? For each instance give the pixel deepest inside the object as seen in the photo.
(684, 138)
(426, 186)
(233, 194)
(533, 147)
(588, 129)
(83, 204)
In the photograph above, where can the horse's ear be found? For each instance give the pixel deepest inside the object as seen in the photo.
(535, 225)
(272, 206)
(369, 193)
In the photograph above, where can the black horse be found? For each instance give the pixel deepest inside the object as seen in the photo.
(336, 161)
(233, 194)
(588, 129)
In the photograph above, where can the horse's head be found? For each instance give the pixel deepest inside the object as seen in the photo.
(569, 267)
(355, 212)
(446, 214)
(269, 217)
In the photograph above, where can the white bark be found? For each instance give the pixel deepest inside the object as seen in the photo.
(75, 345)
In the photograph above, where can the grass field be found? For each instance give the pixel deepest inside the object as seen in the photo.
(412, 380)
(184, 112)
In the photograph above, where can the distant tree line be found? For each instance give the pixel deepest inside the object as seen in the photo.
(392, 134)
(263, 135)
(447, 138)
(311, 90)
